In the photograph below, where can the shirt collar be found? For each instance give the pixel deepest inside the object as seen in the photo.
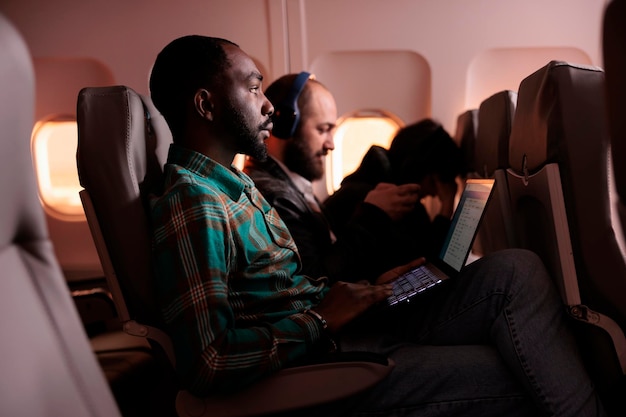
(231, 181)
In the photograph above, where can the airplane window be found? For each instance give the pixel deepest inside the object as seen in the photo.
(54, 144)
(355, 133)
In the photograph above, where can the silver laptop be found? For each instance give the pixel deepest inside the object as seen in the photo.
(456, 248)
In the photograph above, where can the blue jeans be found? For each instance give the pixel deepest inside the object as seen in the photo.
(493, 342)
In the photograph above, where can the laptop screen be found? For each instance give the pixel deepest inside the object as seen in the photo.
(465, 222)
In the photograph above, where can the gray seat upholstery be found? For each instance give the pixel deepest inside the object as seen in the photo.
(122, 147)
(490, 160)
(113, 164)
(111, 172)
(558, 182)
(45, 356)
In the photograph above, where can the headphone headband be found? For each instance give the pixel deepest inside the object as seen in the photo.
(286, 113)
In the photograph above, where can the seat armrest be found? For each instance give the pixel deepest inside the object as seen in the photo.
(289, 389)
(95, 307)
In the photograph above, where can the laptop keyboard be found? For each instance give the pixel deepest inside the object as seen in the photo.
(413, 283)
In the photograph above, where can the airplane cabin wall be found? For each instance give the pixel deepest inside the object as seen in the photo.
(449, 34)
(287, 35)
(127, 35)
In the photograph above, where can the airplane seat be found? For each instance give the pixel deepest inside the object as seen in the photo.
(614, 53)
(122, 147)
(495, 118)
(145, 379)
(491, 158)
(465, 136)
(45, 356)
(558, 185)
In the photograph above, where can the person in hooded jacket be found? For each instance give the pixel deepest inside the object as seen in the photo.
(421, 153)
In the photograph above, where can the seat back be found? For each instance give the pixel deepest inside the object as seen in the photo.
(491, 158)
(558, 185)
(495, 118)
(614, 49)
(465, 136)
(46, 358)
(122, 147)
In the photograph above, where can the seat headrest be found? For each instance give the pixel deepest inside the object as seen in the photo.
(495, 118)
(465, 136)
(555, 105)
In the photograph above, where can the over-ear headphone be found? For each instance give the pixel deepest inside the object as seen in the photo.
(286, 113)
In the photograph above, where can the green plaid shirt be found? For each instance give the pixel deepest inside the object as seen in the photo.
(227, 277)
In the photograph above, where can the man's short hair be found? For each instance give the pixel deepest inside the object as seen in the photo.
(181, 68)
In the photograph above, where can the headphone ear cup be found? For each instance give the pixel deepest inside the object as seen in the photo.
(286, 113)
(285, 120)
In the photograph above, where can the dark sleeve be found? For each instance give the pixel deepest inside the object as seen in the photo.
(341, 206)
(439, 231)
(419, 236)
(359, 251)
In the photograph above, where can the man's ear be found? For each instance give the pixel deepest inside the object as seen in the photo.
(204, 104)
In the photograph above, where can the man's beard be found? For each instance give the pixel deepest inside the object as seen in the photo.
(246, 136)
(299, 159)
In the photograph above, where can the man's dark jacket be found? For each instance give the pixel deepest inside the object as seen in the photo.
(363, 250)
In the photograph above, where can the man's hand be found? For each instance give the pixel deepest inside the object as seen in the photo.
(394, 273)
(395, 200)
(345, 301)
